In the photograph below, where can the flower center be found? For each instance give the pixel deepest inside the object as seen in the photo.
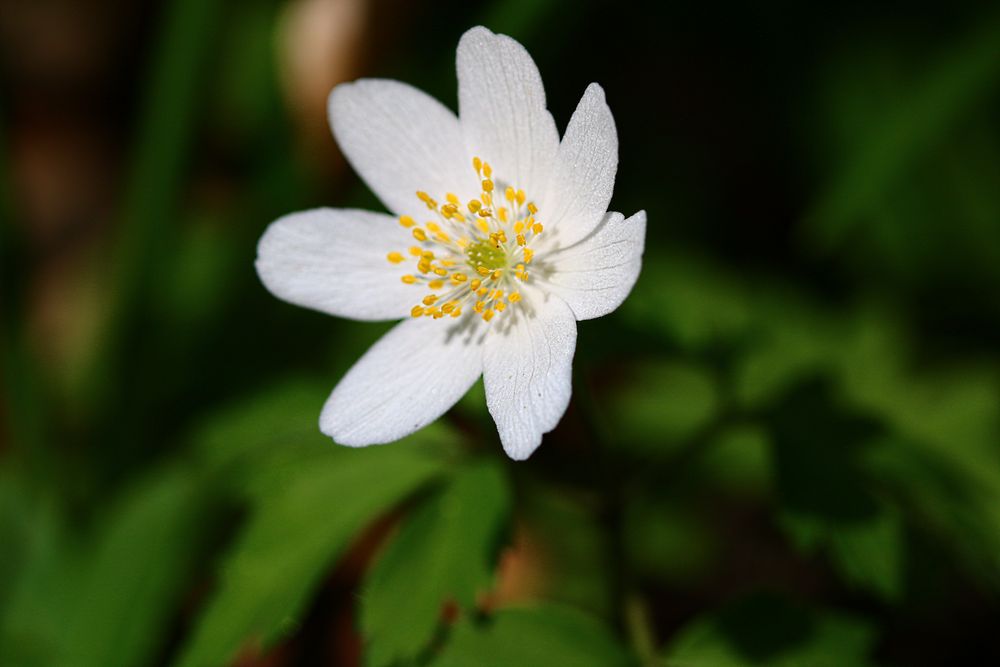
(486, 254)
(473, 253)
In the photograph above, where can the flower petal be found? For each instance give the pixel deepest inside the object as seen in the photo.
(584, 172)
(595, 275)
(334, 261)
(406, 380)
(527, 371)
(501, 104)
(400, 140)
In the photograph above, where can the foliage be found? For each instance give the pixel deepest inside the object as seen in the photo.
(783, 449)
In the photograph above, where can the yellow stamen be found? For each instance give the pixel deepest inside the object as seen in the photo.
(394, 257)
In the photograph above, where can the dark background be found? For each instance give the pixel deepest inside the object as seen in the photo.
(785, 446)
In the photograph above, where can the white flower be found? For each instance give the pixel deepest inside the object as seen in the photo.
(502, 241)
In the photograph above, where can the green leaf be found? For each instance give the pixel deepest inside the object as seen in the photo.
(446, 551)
(900, 130)
(295, 533)
(667, 541)
(738, 459)
(243, 440)
(108, 600)
(571, 543)
(133, 577)
(959, 506)
(870, 555)
(662, 403)
(546, 635)
(690, 302)
(764, 630)
(38, 589)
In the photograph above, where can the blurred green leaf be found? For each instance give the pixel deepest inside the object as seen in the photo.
(242, 440)
(573, 545)
(961, 508)
(869, 555)
(546, 635)
(203, 264)
(688, 301)
(668, 542)
(764, 630)
(108, 600)
(738, 459)
(248, 94)
(133, 578)
(818, 472)
(38, 588)
(296, 531)
(165, 136)
(661, 403)
(906, 125)
(445, 552)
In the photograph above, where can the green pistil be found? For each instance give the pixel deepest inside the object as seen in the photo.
(485, 254)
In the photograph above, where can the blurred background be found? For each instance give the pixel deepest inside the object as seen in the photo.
(784, 449)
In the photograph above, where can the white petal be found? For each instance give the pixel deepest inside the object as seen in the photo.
(334, 260)
(406, 380)
(401, 140)
(527, 371)
(501, 103)
(595, 275)
(584, 173)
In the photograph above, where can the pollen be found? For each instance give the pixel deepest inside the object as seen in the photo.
(471, 256)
